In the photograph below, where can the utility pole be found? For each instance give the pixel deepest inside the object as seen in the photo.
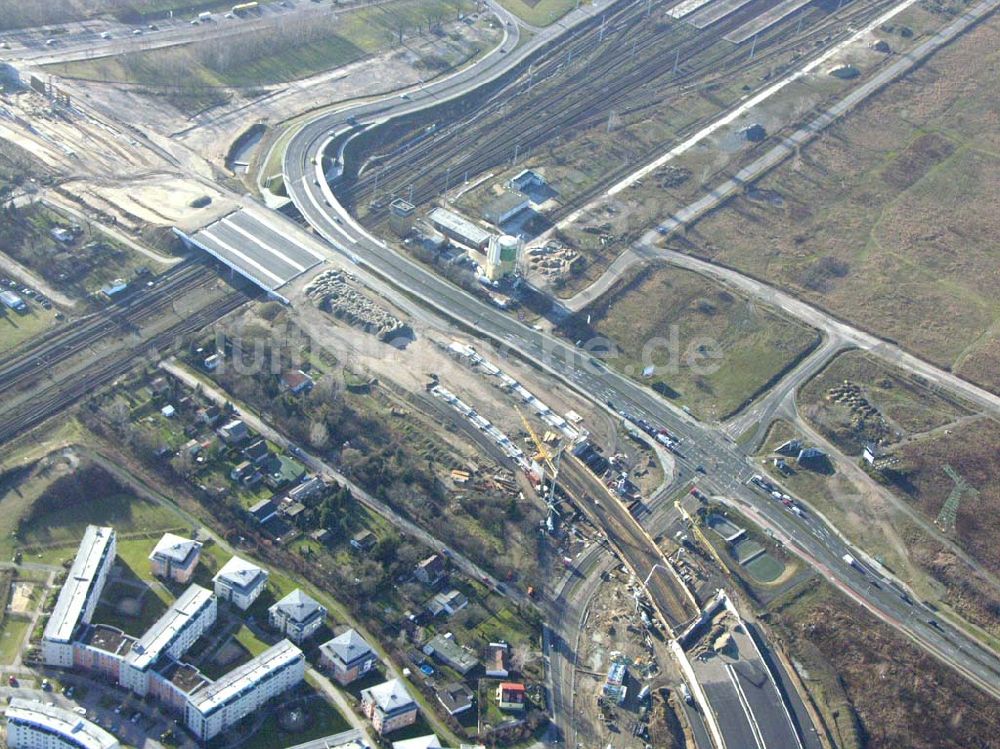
(410, 199)
(517, 147)
(649, 7)
(634, 42)
(447, 181)
(600, 37)
(677, 61)
(753, 47)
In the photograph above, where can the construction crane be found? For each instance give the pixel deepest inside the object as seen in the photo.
(550, 460)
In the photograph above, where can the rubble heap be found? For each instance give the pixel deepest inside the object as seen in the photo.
(332, 292)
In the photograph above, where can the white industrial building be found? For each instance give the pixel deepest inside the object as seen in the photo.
(240, 582)
(244, 690)
(38, 725)
(185, 621)
(79, 595)
(459, 228)
(297, 616)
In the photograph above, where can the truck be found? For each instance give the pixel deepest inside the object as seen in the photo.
(849, 560)
(205, 16)
(241, 8)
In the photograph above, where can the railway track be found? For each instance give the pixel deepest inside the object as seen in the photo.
(63, 393)
(20, 368)
(574, 87)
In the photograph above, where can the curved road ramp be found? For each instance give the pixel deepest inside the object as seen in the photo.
(740, 691)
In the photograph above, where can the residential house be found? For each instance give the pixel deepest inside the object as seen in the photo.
(449, 603)
(241, 470)
(388, 706)
(297, 616)
(347, 656)
(364, 541)
(431, 570)
(240, 582)
(296, 382)
(263, 511)
(496, 660)
(257, 452)
(233, 432)
(310, 489)
(455, 697)
(175, 558)
(209, 415)
(511, 696)
(444, 649)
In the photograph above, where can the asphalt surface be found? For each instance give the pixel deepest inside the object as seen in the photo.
(727, 467)
(256, 250)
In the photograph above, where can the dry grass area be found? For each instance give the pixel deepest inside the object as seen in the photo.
(877, 690)
(902, 404)
(711, 349)
(971, 450)
(889, 219)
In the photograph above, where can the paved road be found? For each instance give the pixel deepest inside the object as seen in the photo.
(727, 465)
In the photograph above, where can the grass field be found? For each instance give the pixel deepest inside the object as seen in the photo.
(906, 405)
(298, 49)
(12, 633)
(323, 719)
(15, 329)
(875, 688)
(714, 348)
(540, 12)
(888, 219)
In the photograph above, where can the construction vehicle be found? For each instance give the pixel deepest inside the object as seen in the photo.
(548, 459)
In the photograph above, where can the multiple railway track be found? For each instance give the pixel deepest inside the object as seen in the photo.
(37, 368)
(631, 64)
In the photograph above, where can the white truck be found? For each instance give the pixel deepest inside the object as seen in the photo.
(204, 16)
(849, 560)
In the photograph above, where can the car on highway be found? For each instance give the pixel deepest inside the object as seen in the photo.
(105, 35)
(46, 685)
(50, 42)
(136, 32)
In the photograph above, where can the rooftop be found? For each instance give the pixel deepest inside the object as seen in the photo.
(175, 549)
(459, 225)
(347, 647)
(299, 606)
(79, 583)
(390, 696)
(420, 742)
(109, 639)
(346, 740)
(240, 574)
(81, 732)
(184, 676)
(233, 684)
(165, 631)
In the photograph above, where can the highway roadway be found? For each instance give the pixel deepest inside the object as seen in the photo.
(728, 467)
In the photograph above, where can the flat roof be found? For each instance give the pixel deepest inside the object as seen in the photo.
(60, 722)
(245, 677)
(184, 676)
(257, 250)
(109, 639)
(168, 627)
(459, 225)
(80, 584)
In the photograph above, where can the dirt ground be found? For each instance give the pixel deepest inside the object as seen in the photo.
(887, 219)
(614, 632)
(20, 599)
(878, 690)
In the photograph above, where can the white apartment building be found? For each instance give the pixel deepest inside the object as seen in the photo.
(79, 595)
(185, 621)
(37, 725)
(297, 616)
(245, 689)
(240, 582)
